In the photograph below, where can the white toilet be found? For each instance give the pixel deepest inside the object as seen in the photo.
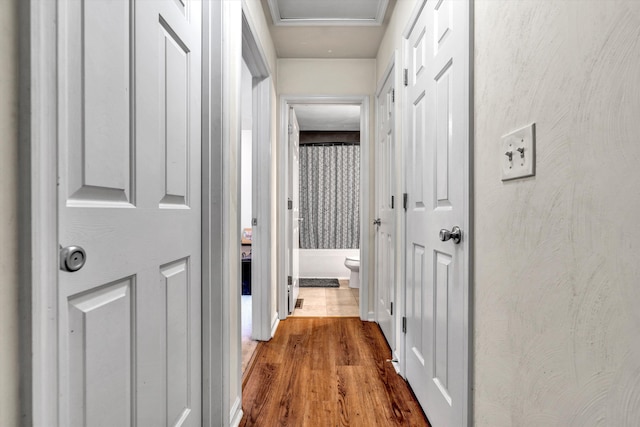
(353, 264)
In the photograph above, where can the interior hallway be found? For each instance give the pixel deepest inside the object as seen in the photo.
(316, 302)
(327, 371)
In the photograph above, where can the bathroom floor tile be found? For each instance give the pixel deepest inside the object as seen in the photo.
(322, 302)
(341, 297)
(313, 300)
(341, 310)
(310, 310)
(312, 292)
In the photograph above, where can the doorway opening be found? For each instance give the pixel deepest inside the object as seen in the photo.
(254, 169)
(324, 191)
(249, 344)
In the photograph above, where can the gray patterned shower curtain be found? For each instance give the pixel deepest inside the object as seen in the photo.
(330, 196)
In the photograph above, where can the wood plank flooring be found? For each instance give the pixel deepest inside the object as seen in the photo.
(329, 372)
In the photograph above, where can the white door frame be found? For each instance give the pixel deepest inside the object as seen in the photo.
(365, 223)
(39, 214)
(467, 163)
(256, 61)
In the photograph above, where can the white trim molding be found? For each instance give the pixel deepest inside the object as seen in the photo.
(38, 233)
(285, 102)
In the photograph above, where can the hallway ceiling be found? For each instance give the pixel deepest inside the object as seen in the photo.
(328, 117)
(328, 40)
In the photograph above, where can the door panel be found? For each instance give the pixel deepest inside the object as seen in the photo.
(100, 334)
(385, 204)
(175, 278)
(129, 194)
(173, 71)
(97, 71)
(436, 289)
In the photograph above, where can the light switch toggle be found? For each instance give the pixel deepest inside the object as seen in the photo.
(522, 142)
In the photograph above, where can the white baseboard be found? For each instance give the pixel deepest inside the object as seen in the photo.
(371, 316)
(236, 413)
(274, 325)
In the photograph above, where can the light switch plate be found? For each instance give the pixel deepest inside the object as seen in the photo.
(518, 153)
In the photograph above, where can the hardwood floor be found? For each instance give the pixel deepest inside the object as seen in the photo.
(330, 372)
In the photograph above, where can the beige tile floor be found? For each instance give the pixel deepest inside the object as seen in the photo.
(325, 302)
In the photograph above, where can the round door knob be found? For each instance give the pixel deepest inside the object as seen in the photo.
(72, 258)
(455, 234)
(377, 221)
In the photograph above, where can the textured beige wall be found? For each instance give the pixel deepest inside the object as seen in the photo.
(336, 77)
(557, 279)
(330, 77)
(392, 39)
(8, 214)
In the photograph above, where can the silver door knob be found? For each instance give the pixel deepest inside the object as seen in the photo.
(455, 234)
(72, 258)
(377, 221)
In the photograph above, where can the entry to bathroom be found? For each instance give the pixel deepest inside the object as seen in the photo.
(324, 208)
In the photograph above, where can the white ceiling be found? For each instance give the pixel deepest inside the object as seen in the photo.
(327, 12)
(327, 41)
(328, 117)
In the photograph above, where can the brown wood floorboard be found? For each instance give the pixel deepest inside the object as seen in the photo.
(327, 372)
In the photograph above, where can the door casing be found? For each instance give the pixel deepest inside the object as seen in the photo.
(38, 227)
(287, 101)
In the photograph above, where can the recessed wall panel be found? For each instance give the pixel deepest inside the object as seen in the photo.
(101, 333)
(175, 277)
(175, 116)
(444, 129)
(98, 110)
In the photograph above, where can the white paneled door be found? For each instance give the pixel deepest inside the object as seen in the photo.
(437, 155)
(129, 194)
(386, 203)
(294, 211)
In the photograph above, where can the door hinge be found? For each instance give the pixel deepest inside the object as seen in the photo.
(289, 204)
(290, 128)
(289, 280)
(393, 95)
(404, 325)
(405, 200)
(406, 77)
(392, 308)
(392, 202)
